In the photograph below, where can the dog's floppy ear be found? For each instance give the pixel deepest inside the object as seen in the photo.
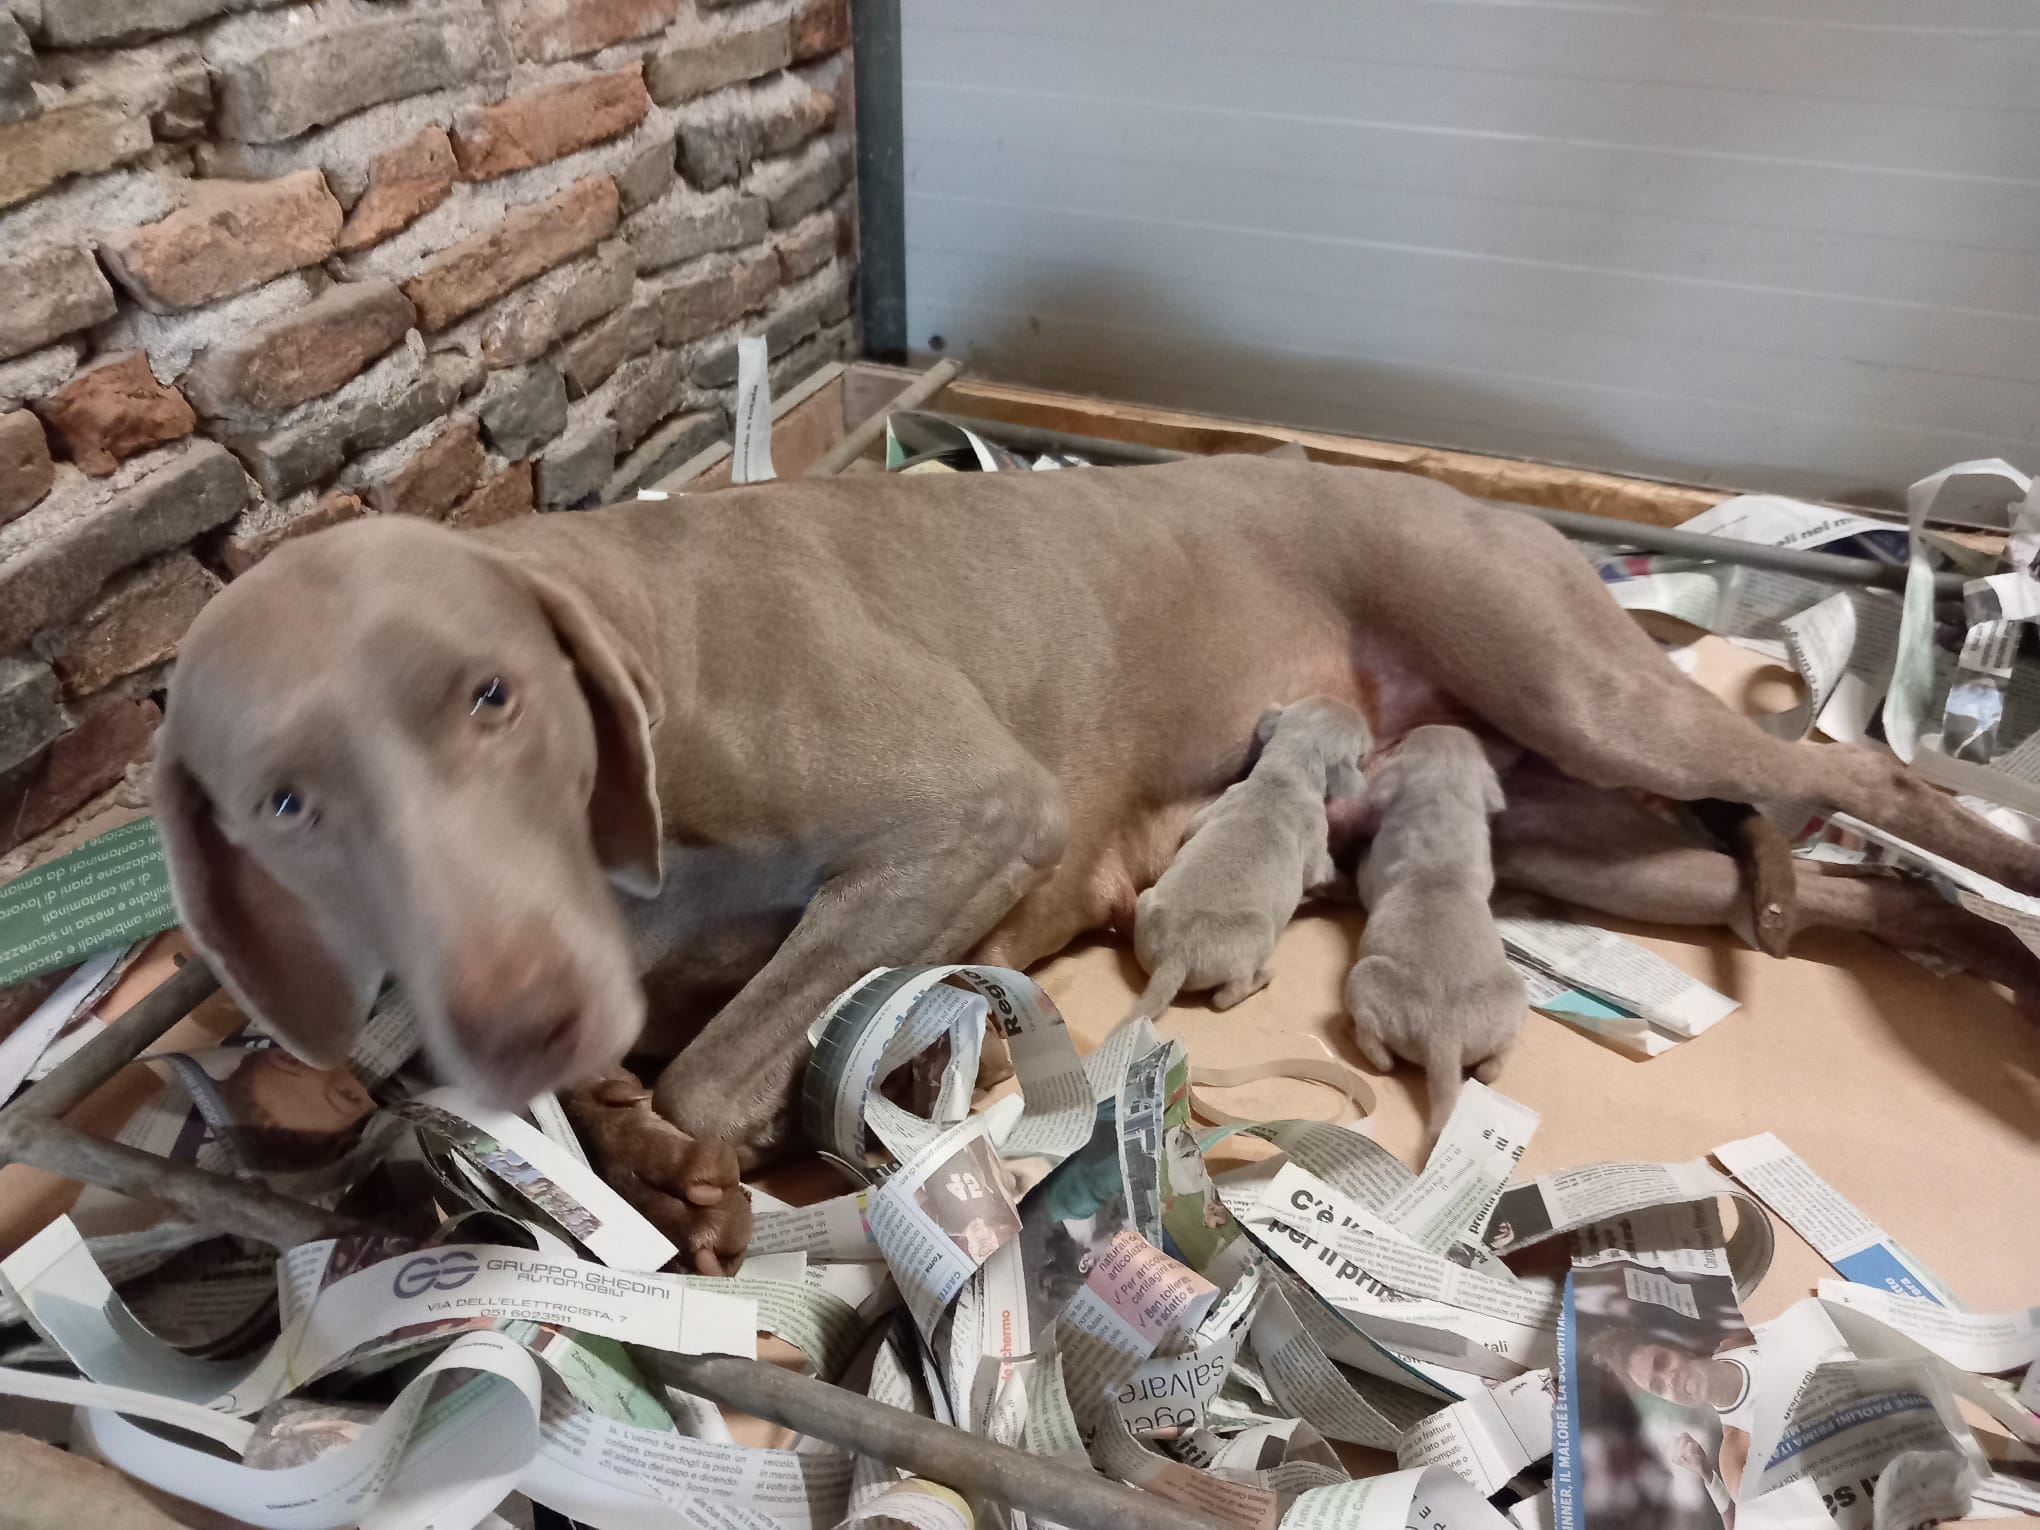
(257, 935)
(1345, 779)
(623, 812)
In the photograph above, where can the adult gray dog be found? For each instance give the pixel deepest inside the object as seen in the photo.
(812, 728)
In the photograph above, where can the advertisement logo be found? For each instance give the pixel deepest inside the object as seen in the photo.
(435, 1272)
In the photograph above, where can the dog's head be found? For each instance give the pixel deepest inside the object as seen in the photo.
(393, 749)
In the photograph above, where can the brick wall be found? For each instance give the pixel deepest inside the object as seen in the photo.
(265, 267)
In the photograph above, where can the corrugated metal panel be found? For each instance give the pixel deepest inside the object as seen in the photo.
(1789, 246)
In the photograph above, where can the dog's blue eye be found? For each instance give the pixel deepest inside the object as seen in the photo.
(491, 693)
(285, 803)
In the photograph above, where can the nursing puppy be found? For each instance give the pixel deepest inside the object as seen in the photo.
(1249, 858)
(1433, 985)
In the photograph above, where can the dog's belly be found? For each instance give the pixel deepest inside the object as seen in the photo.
(1144, 834)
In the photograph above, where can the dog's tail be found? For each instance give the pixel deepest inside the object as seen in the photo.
(1164, 983)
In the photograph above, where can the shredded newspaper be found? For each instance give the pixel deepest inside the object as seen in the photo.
(1068, 1270)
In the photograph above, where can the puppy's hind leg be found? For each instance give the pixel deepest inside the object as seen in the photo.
(1232, 993)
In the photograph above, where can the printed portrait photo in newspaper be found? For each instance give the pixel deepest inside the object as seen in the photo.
(1657, 1392)
(272, 1113)
(964, 1196)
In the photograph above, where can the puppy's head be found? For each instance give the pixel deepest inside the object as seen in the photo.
(393, 750)
(1320, 735)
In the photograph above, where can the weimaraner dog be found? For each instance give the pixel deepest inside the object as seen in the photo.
(811, 728)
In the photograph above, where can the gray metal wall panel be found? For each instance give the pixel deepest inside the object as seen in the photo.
(1793, 246)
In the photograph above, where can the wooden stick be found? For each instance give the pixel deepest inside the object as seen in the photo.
(963, 1462)
(851, 447)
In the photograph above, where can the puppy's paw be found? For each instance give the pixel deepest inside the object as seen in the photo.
(687, 1187)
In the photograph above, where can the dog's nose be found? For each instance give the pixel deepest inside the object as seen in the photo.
(511, 997)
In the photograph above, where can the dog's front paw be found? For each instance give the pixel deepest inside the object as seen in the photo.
(685, 1186)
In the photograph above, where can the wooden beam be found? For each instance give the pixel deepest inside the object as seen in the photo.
(867, 385)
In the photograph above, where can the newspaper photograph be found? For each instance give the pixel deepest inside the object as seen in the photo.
(546, 1176)
(1654, 1400)
(940, 1216)
(1081, 1206)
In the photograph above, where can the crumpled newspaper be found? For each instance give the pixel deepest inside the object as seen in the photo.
(1060, 1268)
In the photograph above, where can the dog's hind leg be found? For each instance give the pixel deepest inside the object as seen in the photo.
(1602, 850)
(1560, 668)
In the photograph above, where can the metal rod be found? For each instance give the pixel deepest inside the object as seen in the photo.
(116, 1046)
(962, 1462)
(211, 1200)
(1039, 439)
(915, 394)
(1832, 567)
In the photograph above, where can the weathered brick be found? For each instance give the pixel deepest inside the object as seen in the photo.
(53, 559)
(588, 359)
(685, 223)
(436, 478)
(819, 27)
(39, 373)
(529, 322)
(134, 622)
(547, 30)
(664, 450)
(543, 125)
(648, 176)
(715, 291)
(305, 356)
(503, 496)
(404, 184)
(29, 715)
(98, 23)
(808, 246)
(646, 391)
(26, 471)
(235, 235)
(722, 140)
(529, 241)
(700, 62)
(183, 108)
(111, 736)
(49, 294)
(17, 72)
(808, 305)
(577, 465)
(245, 546)
(382, 406)
(102, 417)
(837, 342)
(522, 409)
(312, 77)
(798, 184)
(73, 137)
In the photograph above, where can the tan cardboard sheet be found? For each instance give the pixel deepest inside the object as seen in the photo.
(1917, 1097)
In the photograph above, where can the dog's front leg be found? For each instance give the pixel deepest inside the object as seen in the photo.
(924, 890)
